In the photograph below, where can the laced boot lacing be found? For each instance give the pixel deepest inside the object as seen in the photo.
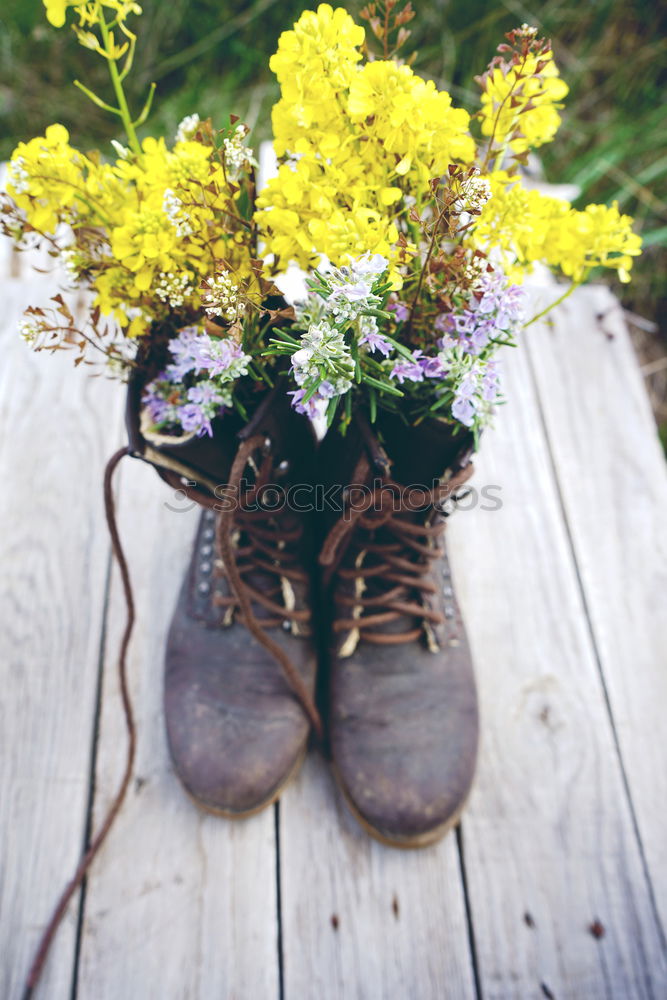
(250, 538)
(391, 551)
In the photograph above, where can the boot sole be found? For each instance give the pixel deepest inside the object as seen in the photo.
(409, 842)
(264, 804)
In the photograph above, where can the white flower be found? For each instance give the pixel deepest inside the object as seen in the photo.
(369, 264)
(221, 297)
(29, 329)
(236, 154)
(73, 261)
(477, 192)
(187, 128)
(172, 206)
(173, 288)
(18, 176)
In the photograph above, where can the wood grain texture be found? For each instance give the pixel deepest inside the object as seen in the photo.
(612, 479)
(360, 920)
(549, 844)
(57, 430)
(182, 904)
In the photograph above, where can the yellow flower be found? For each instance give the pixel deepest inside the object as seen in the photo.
(409, 117)
(520, 103)
(55, 11)
(355, 139)
(527, 227)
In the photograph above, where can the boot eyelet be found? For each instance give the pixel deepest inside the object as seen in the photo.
(208, 534)
(204, 587)
(205, 567)
(206, 550)
(448, 592)
(286, 626)
(449, 611)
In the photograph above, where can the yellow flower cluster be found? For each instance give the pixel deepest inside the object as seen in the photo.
(520, 103)
(56, 10)
(528, 227)
(361, 137)
(159, 217)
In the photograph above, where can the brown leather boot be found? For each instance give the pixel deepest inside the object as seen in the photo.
(240, 660)
(403, 703)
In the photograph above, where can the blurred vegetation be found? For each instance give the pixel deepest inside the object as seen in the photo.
(211, 56)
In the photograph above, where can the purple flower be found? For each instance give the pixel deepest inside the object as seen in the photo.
(490, 381)
(205, 394)
(464, 323)
(194, 420)
(315, 405)
(400, 310)
(376, 342)
(411, 370)
(154, 401)
(185, 351)
(434, 367)
(310, 408)
(463, 410)
(326, 390)
(444, 323)
(352, 292)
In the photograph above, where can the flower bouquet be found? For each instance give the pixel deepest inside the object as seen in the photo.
(417, 235)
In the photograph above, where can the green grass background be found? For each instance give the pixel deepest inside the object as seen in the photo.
(211, 56)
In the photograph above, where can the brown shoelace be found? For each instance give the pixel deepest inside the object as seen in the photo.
(390, 558)
(262, 540)
(262, 550)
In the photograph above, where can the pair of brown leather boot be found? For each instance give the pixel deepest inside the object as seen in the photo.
(256, 615)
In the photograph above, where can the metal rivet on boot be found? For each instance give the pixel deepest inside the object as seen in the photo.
(208, 533)
(286, 626)
(209, 515)
(448, 592)
(449, 611)
(205, 567)
(206, 550)
(204, 587)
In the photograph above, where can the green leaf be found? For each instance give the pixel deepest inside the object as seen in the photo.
(372, 404)
(383, 386)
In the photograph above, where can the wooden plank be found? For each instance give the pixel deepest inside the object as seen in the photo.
(360, 920)
(182, 903)
(57, 430)
(612, 477)
(549, 843)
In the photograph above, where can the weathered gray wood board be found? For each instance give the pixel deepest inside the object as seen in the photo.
(549, 842)
(56, 429)
(563, 592)
(360, 919)
(612, 481)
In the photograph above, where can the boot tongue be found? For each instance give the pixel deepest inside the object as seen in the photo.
(423, 453)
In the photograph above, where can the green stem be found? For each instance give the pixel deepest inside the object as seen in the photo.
(553, 305)
(118, 90)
